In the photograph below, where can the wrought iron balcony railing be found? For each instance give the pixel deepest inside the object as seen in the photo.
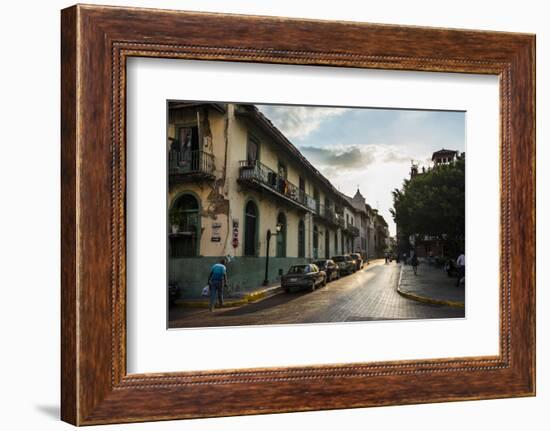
(340, 221)
(327, 214)
(353, 230)
(257, 173)
(195, 163)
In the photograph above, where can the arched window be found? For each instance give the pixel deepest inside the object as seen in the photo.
(185, 227)
(301, 239)
(281, 237)
(250, 229)
(315, 242)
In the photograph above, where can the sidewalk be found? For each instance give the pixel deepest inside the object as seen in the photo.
(431, 285)
(234, 299)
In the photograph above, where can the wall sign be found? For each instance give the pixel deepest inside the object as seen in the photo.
(216, 226)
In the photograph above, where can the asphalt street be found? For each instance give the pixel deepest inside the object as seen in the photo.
(369, 294)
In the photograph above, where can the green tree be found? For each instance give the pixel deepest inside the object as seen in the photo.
(433, 204)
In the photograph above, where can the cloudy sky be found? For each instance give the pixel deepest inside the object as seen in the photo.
(368, 148)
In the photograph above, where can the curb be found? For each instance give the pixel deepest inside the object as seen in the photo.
(206, 304)
(261, 294)
(246, 299)
(426, 299)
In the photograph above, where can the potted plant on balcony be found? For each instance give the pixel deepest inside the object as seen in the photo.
(176, 220)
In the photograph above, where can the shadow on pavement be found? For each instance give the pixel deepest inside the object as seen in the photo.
(274, 301)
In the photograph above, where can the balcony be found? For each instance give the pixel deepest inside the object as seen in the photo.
(259, 176)
(190, 165)
(352, 230)
(327, 214)
(340, 222)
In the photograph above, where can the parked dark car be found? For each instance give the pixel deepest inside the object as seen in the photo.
(173, 292)
(307, 276)
(346, 265)
(354, 262)
(358, 260)
(330, 268)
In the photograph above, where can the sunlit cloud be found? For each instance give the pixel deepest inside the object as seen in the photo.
(299, 121)
(353, 157)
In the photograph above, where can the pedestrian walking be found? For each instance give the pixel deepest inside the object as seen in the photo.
(414, 262)
(386, 257)
(404, 258)
(217, 280)
(461, 267)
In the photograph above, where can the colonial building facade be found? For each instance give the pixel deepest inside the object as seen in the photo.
(237, 187)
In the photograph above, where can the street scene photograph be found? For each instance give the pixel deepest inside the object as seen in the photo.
(291, 214)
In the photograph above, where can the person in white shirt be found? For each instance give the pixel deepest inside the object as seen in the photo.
(461, 267)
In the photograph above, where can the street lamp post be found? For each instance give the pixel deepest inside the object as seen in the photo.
(269, 235)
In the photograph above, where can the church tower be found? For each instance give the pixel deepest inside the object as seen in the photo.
(358, 200)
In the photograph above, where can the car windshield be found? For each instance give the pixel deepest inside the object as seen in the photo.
(355, 256)
(299, 269)
(338, 258)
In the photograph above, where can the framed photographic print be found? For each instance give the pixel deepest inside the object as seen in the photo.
(279, 212)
